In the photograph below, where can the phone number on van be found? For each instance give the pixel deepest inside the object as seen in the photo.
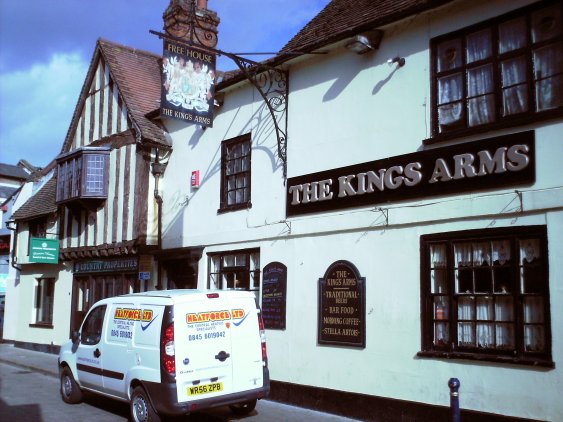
(206, 336)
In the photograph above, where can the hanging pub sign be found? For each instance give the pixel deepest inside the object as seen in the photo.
(44, 251)
(487, 164)
(342, 304)
(188, 84)
(274, 288)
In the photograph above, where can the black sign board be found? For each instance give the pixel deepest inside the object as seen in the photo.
(188, 84)
(342, 304)
(274, 289)
(107, 266)
(491, 163)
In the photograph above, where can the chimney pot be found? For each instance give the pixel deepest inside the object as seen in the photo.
(202, 4)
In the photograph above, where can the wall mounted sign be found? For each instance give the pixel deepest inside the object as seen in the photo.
(106, 266)
(44, 251)
(342, 304)
(491, 163)
(274, 290)
(188, 84)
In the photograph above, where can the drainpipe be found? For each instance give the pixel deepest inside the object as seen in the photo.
(157, 170)
(14, 259)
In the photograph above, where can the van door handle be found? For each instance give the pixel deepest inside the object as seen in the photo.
(97, 353)
(222, 356)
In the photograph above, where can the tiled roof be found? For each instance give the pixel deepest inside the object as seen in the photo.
(137, 74)
(13, 172)
(42, 203)
(341, 19)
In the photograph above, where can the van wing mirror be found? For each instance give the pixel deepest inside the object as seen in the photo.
(75, 336)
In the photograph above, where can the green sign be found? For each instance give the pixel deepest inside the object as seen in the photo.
(45, 251)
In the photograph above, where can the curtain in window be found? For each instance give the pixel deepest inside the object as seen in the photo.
(450, 94)
(479, 46)
(501, 252)
(465, 328)
(485, 336)
(505, 327)
(548, 65)
(438, 256)
(534, 339)
(529, 250)
(480, 87)
(512, 35)
(514, 93)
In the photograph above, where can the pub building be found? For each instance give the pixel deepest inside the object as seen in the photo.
(388, 186)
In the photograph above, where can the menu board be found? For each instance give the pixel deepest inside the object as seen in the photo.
(274, 287)
(342, 306)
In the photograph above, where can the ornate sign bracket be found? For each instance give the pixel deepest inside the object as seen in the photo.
(271, 83)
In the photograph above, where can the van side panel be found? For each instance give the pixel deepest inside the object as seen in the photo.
(131, 347)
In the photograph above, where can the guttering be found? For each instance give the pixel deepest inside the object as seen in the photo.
(13, 258)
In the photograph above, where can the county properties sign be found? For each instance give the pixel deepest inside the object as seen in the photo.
(188, 84)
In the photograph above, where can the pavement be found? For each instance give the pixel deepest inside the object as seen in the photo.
(46, 363)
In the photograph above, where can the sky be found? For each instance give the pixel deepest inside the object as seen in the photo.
(46, 47)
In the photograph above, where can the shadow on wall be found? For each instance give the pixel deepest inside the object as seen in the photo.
(261, 126)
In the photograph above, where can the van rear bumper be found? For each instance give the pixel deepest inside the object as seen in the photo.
(165, 400)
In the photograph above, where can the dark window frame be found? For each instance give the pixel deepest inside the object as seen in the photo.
(231, 173)
(517, 119)
(434, 318)
(36, 228)
(91, 333)
(83, 174)
(250, 274)
(44, 289)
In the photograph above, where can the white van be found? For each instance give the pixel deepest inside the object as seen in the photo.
(170, 352)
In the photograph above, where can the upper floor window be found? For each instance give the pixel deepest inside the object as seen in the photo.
(503, 72)
(237, 270)
(82, 174)
(235, 173)
(485, 295)
(37, 228)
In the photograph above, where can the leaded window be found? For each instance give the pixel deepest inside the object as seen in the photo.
(235, 270)
(502, 72)
(486, 294)
(235, 173)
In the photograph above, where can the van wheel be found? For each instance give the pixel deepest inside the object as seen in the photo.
(70, 391)
(243, 408)
(141, 407)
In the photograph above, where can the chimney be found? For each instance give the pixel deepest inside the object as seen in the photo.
(192, 21)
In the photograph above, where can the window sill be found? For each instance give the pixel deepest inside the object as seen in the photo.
(506, 124)
(42, 325)
(236, 207)
(487, 358)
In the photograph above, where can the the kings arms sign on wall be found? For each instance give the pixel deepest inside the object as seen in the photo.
(492, 163)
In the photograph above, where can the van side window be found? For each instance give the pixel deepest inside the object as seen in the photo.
(92, 327)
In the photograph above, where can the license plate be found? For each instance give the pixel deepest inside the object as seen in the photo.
(205, 388)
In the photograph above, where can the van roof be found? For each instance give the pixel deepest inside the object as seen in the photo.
(175, 293)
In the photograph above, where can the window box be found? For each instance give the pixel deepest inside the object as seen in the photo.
(82, 176)
(485, 296)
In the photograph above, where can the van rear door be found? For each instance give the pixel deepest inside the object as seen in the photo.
(202, 338)
(246, 344)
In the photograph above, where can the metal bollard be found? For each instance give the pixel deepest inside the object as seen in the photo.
(454, 384)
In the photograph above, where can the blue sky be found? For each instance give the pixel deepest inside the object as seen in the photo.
(46, 47)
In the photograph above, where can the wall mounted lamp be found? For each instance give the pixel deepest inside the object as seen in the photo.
(365, 42)
(399, 60)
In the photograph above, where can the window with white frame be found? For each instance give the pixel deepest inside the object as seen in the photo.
(499, 73)
(44, 300)
(235, 270)
(485, 294)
